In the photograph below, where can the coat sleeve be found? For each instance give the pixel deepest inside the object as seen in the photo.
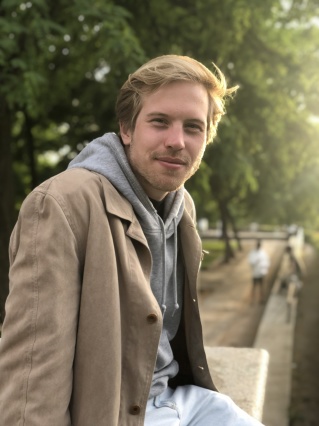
(39, 331)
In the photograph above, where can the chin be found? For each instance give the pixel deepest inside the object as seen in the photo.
(169, 187)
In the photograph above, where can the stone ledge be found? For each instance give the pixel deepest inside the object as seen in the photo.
(240, 373)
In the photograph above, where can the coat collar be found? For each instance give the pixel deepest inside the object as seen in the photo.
(119, 206)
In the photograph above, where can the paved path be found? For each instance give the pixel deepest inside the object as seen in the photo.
(228, 317)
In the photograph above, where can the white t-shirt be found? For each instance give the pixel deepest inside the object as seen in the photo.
(259, 262)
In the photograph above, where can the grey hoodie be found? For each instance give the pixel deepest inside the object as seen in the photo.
(106, 155)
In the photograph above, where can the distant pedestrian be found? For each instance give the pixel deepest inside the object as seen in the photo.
(291, 281)
(294, 264)
(294, 272)
(259, 262)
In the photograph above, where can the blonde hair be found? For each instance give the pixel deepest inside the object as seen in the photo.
(167, 69)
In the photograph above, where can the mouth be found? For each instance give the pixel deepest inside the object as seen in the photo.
(172, 161)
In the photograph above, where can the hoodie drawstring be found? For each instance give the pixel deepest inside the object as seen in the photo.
(163, 306)
(164, 284)
(176, 305)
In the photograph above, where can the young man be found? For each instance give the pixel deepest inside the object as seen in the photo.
(102, 323)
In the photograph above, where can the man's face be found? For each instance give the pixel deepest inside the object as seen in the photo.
(168, 142)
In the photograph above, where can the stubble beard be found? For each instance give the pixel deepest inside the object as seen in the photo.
(168, 181)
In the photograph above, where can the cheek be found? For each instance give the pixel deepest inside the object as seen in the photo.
(198, 151)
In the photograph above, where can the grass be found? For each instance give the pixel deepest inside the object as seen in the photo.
(215, 249)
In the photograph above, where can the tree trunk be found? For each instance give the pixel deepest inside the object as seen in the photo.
(235, 230)
(6, 200)
(228, 254)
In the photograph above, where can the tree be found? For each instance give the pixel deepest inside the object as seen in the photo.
(53, 54)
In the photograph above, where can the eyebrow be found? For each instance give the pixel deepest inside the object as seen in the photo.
(161, 114)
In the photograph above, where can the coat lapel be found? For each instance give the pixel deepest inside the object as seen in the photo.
(119, 206)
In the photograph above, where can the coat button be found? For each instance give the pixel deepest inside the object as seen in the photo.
(135, 409)
(151, 318)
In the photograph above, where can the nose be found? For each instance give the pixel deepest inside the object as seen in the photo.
(175, 138)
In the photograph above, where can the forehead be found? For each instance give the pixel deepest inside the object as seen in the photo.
(181, 96)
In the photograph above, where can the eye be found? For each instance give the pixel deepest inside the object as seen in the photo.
(194, 127)
(159, 121)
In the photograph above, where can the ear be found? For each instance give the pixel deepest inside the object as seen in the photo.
(126, 134)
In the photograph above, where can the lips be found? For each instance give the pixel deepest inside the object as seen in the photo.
(172, 160)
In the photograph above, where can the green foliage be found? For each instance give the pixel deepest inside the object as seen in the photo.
(59, 46)
(61, 63)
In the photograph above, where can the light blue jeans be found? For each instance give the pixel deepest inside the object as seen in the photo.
(194, 406)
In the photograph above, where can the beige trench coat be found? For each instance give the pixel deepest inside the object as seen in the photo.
(82, 326)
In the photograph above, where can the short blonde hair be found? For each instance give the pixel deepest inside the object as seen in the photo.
(167, 69)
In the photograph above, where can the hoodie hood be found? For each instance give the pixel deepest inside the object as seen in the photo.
(106, 155)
